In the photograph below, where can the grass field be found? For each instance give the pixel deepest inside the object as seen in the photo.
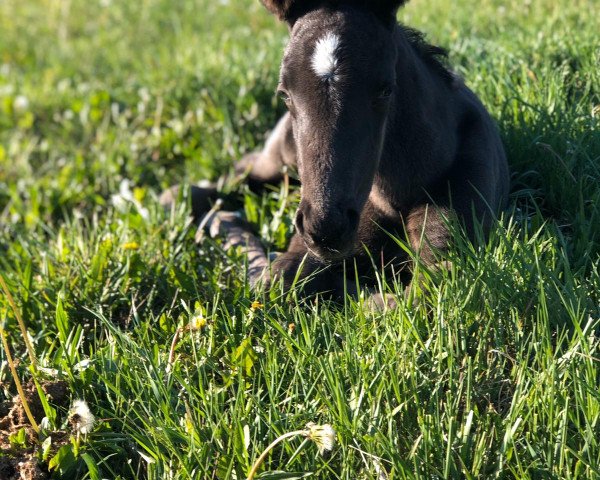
(494, 373)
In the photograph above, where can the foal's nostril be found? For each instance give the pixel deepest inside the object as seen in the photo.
(353, 217)
(331, 231)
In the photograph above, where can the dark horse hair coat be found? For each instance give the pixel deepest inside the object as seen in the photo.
(385, 139)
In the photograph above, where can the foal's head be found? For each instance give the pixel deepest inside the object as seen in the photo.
(338, 78)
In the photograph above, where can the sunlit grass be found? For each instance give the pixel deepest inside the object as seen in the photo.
(493, 371)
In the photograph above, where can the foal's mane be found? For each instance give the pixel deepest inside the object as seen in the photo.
(434, 56)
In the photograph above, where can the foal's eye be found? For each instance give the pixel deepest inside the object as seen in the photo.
(285, 96)
(385, 92)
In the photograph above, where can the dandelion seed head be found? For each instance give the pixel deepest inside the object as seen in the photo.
(322, 435)
(81, 417)
(21, 103)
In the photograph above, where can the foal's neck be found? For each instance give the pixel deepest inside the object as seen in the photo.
(420, 84)
(420, 105)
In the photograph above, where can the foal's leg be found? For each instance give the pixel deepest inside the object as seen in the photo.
(267, 166)
(293, 266)
(428, 232)
(471, 195)
(238, 234)
(427, 227)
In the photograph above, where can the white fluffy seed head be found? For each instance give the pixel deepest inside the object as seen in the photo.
(81, 417)
(324, 59)
(322, 435)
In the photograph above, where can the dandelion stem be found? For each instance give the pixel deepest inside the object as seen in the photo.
(21, 323)
(13, 370)
(263, 455)
(171, 358)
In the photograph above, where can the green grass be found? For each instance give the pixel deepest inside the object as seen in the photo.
(494, 374)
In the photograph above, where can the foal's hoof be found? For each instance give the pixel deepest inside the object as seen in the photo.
(381, 302)
(220, 223)
(237, 234)
(202, 197)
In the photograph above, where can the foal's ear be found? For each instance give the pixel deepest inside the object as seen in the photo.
(286, 10)
(290, 10)
(386, 9)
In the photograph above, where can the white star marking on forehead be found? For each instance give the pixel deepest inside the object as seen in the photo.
(324, 59)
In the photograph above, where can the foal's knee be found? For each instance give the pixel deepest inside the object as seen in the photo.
(428, 230)
(259, 169)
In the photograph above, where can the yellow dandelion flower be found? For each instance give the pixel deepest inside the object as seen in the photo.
(197, 321)
(131, 246)
(256, 305)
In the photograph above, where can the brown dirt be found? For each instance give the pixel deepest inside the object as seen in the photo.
(22, 463)
(21, 467)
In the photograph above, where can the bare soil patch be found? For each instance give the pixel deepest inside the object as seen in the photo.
(21, 463)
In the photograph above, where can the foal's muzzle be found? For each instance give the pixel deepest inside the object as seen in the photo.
(331, 234)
